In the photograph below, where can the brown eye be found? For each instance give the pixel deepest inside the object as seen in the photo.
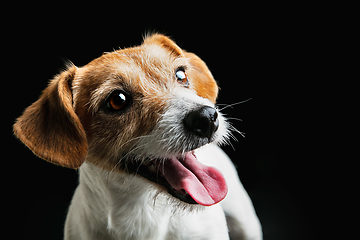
(118, 100)
(181, 77)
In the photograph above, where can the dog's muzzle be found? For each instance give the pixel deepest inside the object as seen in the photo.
(182, 174)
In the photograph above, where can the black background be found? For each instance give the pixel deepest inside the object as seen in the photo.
(268, 57)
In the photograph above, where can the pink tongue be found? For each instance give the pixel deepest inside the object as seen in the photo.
(206, 185)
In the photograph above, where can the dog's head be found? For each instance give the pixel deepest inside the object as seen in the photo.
(137, 110)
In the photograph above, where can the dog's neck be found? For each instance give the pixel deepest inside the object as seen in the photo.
(113, 187)
(121, 200)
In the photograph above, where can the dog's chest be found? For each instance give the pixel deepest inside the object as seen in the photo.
(134, 211)
(159, 221)
(138, 219)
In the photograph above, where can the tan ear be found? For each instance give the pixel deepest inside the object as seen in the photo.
(201, 78)
(50, 127)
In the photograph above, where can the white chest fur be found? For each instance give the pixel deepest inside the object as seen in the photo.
(118, 206)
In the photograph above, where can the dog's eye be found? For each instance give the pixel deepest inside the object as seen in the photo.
(181, 77)
(118, 100)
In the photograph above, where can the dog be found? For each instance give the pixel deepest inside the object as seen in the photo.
(142, 127)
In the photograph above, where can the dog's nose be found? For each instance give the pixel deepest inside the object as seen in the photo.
(202, 122)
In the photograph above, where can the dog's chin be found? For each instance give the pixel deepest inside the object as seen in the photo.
(148, 169)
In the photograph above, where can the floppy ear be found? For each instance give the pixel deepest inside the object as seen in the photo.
(201, 78)
(50, 126)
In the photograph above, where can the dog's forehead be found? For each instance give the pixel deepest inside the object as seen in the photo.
(148, 59)
(137, 63)
(143, 69)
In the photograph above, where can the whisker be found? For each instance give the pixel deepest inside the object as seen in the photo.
(238, 119)
(231, 105)
(235, 130)
(231, 145)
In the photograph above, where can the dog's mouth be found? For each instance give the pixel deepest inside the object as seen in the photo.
(185, 178)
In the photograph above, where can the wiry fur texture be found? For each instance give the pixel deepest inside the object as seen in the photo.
(72, 125)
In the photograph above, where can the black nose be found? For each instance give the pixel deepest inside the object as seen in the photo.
(202, 122)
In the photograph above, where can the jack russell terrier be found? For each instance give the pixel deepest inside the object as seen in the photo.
(142, 127)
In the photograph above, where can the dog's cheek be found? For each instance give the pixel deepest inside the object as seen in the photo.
(113, 135)
(149, 113)
(106, 134)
